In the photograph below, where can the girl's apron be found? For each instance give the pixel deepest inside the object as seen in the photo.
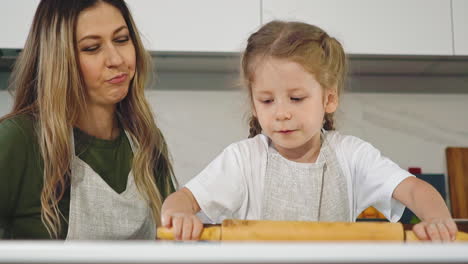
(305, 191)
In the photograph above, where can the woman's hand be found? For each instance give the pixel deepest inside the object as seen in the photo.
(437, 230)
(178, 211)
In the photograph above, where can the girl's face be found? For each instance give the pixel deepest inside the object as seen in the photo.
(106, 54)
(290, 104)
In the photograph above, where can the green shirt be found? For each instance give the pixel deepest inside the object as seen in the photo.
(21, 175)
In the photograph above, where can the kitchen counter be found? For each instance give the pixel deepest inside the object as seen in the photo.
(210, 252)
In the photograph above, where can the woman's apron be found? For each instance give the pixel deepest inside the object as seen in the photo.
(97, 212)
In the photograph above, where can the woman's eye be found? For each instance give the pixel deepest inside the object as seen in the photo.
(297, 99)
(122, 39)
(91, 48)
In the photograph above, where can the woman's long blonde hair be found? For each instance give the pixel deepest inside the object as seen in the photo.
(305, 44)
(48, 86)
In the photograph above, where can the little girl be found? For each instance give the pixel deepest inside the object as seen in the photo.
(295, 166)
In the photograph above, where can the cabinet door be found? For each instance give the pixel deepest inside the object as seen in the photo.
(415, 27)
(203, 25)
(460, 26)
(15, 20)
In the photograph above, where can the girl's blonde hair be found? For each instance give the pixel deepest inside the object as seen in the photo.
(48, 86)
(302, 43)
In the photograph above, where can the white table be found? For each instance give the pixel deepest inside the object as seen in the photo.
(205, 252)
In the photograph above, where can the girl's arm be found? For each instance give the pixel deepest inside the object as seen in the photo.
(178, 211)
(421, 198)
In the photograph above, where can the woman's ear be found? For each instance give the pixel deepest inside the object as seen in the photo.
(331, 100)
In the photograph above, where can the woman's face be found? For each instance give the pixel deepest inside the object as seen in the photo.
(106, 54)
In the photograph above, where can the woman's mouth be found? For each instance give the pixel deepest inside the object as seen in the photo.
(118, 79)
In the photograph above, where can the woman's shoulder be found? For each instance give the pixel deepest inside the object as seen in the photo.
(17, 129)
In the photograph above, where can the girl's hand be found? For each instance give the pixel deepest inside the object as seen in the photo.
(424, 200)
(185, 226)
(178, 211)
(436, 230)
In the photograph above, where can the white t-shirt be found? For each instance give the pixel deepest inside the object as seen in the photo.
(231, 186)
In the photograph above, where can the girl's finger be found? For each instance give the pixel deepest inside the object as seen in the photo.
(166, 220)
(197, 228)
(452, 229)
(443, 231)
(433, 232)
(177, 223)
(420, 231)
(187, 228)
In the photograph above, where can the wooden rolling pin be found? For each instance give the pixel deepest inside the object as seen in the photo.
(260, 230)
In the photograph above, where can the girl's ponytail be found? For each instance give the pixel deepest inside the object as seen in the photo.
(328, 122)
(255, 127)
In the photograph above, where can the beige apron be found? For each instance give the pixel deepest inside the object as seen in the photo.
(305, 191)
(97, 212)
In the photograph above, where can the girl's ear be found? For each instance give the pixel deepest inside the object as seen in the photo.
(331, 100)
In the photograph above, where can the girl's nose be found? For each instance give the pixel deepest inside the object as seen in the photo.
(282, 112)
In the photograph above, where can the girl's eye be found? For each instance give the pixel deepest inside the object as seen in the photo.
(297, 99)
(267, 101)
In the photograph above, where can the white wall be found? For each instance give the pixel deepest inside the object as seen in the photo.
(6, 102)
(198, 125)
(411, 129)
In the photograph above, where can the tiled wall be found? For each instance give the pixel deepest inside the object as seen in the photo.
(4, 80)
(411, 129)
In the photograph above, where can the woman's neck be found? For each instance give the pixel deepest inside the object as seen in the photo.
(100, 122)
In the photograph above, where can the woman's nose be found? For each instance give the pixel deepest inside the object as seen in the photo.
(114, 58)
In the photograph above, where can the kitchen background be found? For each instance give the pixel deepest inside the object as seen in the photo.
(408, 87)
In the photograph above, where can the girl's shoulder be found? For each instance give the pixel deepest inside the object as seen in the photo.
(257, 145)
(339, 140)
(349, 147)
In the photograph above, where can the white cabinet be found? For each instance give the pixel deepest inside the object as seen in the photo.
(175, 25)
(460, 26)
(397, 27)
(15, 20)
(202, 25)
(415, 27)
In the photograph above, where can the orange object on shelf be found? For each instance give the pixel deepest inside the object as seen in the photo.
(371, 212)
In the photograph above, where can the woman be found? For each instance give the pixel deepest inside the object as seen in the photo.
(81, 156)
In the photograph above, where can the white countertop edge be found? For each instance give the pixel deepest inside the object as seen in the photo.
(204, 252)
